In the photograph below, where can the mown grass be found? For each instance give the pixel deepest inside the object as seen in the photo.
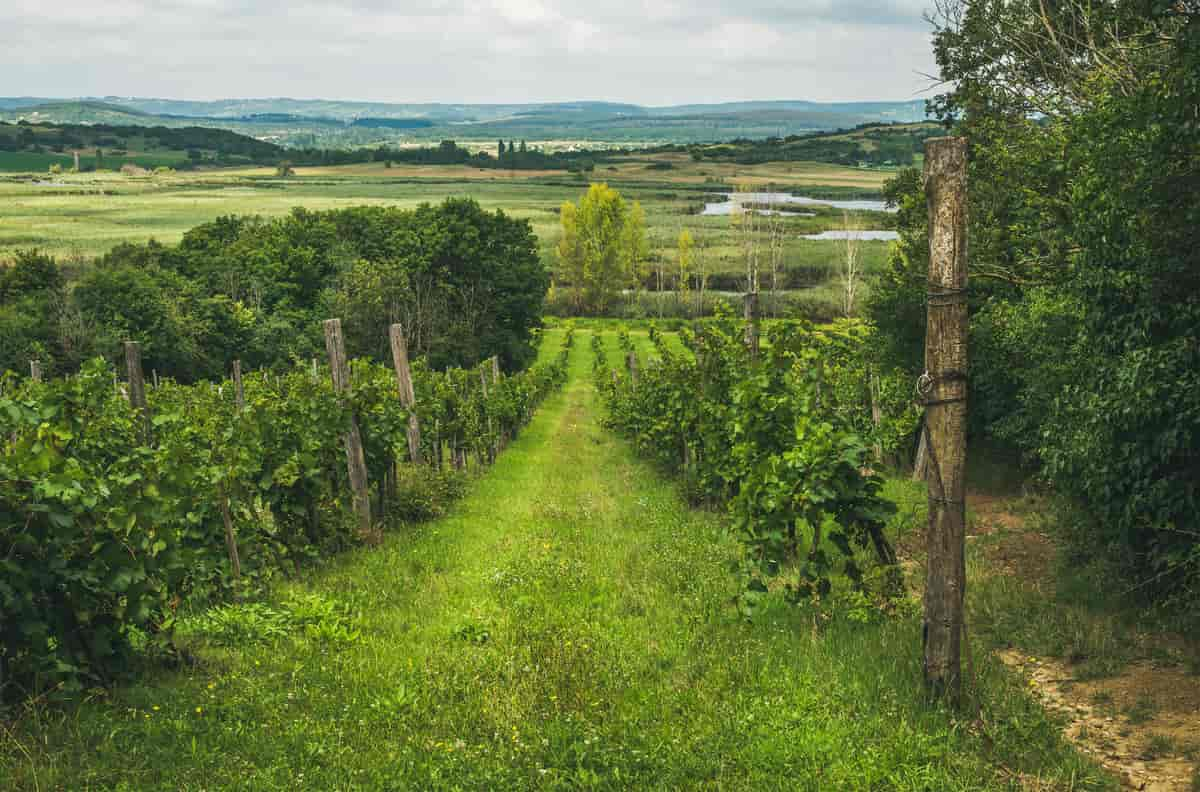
(568, 626)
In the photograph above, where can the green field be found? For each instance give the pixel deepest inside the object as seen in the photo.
(567, 626)
(80, 216)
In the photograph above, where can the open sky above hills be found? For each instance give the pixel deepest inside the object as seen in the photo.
(469, 50)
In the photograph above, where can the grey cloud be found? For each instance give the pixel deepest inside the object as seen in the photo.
(467, 50)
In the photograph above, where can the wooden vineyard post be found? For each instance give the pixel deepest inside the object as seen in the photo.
(632, 362)
(137, 384)
(876, 417)
(483, 384)
(35, 370)
(943, 389)
(235, 562)
(408, 396)
(239, 392)
(500, 440)
(356, 463)
(750, 306)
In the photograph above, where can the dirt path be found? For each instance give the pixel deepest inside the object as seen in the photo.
(1143, 723)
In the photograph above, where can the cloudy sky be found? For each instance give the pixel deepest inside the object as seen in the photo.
(664, 52)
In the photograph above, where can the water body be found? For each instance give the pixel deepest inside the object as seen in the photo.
(726, 207)
(886, 235)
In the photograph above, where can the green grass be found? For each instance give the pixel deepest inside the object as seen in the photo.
(84, 215)
(567, 626)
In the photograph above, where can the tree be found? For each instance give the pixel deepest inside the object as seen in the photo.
(603, 244)
(686, 264)
(1084, 227)
(850, 265)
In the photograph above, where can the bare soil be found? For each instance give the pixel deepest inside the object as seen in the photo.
(1142, 724)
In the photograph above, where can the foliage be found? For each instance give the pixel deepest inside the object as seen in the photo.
(871, 144)
(1083, 238)
(467, 284)
(109, 520)
(780, 438)
(613, 662)
(601, 249)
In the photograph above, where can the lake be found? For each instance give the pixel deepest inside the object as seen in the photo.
(859, 234)
(726, 207)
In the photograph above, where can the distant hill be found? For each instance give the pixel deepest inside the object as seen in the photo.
(867, 144)
(37, 147)
(307, 123)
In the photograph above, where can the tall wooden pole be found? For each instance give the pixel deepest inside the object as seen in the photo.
(483, 381)
(404, 384)
(943, 388)
(750, 310)
(137, 384)
(239, 392)
(356, 463)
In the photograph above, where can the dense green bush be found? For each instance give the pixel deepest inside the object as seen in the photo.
(1085, 290)
(110, 520)
(783, 438)
(467, 284)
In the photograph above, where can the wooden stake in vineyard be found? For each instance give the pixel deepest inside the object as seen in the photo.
(408, 397)
(943, 390)
(356, 463)
(35, 370)
(137, 384)
(239, 391)
(750, 306)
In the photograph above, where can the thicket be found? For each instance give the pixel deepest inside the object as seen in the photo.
(467, 284)
(873, 144)
(1084, 281)
(222, 145)
(784, 437)
(113, 518)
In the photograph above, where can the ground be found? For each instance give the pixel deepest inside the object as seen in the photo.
(569, 625)
(1127, 691)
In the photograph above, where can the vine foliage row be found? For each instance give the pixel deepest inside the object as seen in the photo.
(784, 439)
(110, 520)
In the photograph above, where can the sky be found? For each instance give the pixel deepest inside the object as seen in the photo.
(652, 53)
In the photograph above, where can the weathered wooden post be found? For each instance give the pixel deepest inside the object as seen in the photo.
(408, 396)
(750, 313)
(501, 440)
(943, 389)
(491, 448)
(631, 362)
(35, 370)
(876, 417)
(235, 561)
(137, 384)
(239, 392)
(356, 463)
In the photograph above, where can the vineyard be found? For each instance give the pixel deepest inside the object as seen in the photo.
(567, 624)
(785, 434)
(120, 506)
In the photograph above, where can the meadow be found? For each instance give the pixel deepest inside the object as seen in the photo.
(80, 216)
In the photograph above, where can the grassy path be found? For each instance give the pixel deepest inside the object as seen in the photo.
(568, 626)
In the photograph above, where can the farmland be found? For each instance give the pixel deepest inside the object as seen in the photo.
(80, 216)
